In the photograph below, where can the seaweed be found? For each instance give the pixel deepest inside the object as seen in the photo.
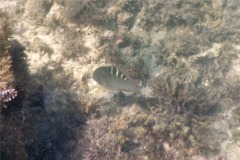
(14, 66)
(137, 133)
(7, 84)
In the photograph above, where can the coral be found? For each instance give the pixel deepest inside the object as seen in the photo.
(7, 78)
(7, 83)
(7, 95)
(14, 71)
(12, 82)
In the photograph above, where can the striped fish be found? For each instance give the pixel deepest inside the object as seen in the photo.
(112, 78)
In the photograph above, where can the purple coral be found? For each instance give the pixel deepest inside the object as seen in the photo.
(7, 95)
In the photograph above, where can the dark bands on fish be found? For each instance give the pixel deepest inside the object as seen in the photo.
(112, 78)
(115, 73)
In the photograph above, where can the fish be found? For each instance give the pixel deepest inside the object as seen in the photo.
(112, 78)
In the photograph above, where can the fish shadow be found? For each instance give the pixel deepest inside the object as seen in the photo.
(142, 101)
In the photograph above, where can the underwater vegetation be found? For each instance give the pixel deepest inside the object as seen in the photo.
(175, 126)
(189, 84)
(188, 89)
(141, 134)
(14, 71)
(7, 85)
(13, 75)
(184, 52)
(75, 48)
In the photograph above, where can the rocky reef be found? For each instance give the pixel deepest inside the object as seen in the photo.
(186, 53)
